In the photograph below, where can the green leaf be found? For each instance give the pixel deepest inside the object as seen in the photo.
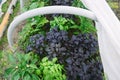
(11, 59)
(38, 71)
(27, 57)
(27, 77)
(16, 76)
(61, 27)
(56, 19)
(9, 71)
(41, 4)
(64, 77)
(76, 33)
(75, 27)
(54, 60)
(42, 21)
(35, 77)
(19, 57)
(22, 73)
(34, 5)
(45, 59)
(33, 66)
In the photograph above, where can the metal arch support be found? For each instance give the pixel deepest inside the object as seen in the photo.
(46, 10)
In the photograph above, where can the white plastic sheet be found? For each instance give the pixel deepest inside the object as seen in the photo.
(108, 27)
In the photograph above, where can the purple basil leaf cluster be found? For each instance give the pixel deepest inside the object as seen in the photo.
(77, 53)
(64, 3)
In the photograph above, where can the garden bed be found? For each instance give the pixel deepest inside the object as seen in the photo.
(56, 47)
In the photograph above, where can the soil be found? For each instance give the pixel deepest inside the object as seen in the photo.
(17, 31)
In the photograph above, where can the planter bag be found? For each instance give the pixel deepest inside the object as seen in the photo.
(108, 29)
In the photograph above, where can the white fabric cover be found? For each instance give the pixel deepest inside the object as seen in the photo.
(108, 27)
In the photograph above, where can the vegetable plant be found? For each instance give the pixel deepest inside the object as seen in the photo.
(31, 67)
(69, 38)
(22, 66)
(51, 71)
(77, 53)
(34, 26)
(83, 26)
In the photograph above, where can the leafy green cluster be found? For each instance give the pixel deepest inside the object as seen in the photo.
(22, 66)
(32, 4)
(78, 3)
(84, 25)
(51, 70)
(30, 67)
(62, 23)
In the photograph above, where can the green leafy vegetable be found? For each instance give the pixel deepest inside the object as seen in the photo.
(30, 67)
